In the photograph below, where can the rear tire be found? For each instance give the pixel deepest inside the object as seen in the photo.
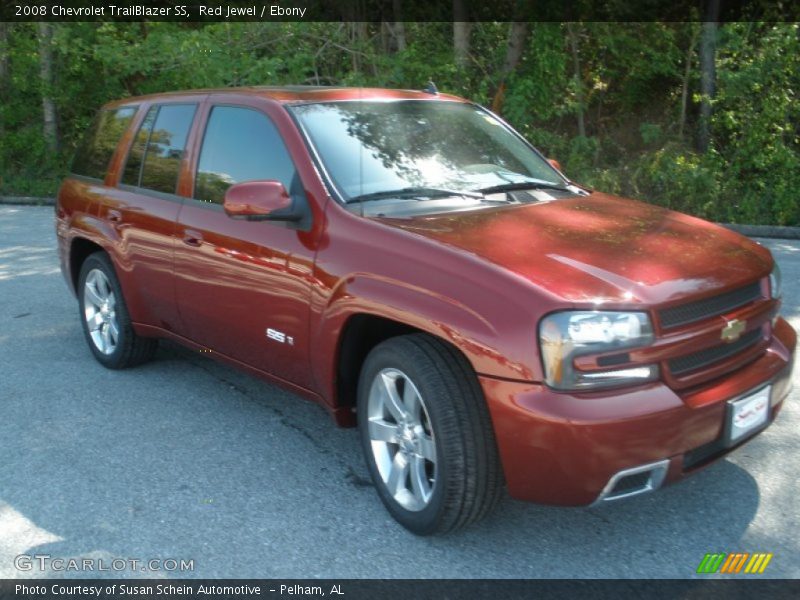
(104, 316)
(427, 435)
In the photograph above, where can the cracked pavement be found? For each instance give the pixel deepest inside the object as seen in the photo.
(188, 459)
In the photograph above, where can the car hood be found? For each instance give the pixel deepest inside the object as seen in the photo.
(600, 248)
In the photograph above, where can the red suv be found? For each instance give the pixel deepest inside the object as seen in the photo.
(411, 263)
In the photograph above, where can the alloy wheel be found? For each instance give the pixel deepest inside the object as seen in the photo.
(99, 309)
(402, 439)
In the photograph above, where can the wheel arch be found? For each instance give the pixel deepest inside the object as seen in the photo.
(365, 311)
(360, 334)
(80, 249)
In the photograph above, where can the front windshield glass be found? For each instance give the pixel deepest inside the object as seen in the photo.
(371, 147)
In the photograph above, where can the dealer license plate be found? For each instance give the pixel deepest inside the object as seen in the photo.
(747, 415)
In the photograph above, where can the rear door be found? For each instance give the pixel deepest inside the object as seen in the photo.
(243, 288)
(144, 206)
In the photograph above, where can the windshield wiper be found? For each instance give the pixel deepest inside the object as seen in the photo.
(523, 185)
(413, 192)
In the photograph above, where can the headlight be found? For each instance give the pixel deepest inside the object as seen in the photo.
(565, 335)
(775, 282)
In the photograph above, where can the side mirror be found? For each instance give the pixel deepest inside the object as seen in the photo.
(263, 200)
(555, 164)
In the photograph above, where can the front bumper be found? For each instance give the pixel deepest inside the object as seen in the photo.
(563, 449)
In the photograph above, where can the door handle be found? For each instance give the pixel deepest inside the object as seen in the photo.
(114, 216)
(192, 237)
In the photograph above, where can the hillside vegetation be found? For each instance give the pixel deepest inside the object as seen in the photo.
(701, 118)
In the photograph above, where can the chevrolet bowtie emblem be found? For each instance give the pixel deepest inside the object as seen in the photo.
(733, 330)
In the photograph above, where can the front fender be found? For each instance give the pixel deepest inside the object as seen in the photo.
(438, 315)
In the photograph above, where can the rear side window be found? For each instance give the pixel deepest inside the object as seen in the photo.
(133, 168)
(100, 141)
(164, 147)
(241, 144)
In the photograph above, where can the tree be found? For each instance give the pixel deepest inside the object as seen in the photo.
(461, 32)
(708, 75)
(4, 71)
(46, 76)
(399, 28)
(517, 38)
(685, 84)
(572, 35)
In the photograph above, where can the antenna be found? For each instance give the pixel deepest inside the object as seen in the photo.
(431, 89)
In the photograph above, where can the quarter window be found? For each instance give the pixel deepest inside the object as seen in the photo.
(100, 142)
(241, 144)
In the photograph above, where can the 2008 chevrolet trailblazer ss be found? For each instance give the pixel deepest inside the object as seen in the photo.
(411, 263)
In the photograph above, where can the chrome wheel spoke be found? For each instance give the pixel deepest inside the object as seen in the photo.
(393, 402)
(411, 402)
(113, 331)
(90, 294)
(383, 431)
(101, 283)
(427, 448)
(419, 480)
(398, 475)
(95, 322)
(106, 339)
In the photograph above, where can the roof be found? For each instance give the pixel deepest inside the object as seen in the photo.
(298, 94)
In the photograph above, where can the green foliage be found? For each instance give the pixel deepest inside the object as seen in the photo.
(629, 76)
(757, 122)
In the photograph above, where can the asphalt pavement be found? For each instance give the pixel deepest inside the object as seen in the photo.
(187, 459)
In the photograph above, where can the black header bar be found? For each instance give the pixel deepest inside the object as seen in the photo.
(349, 589)
(192, 11)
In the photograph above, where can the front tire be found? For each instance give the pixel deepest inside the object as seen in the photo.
(427, 435)
(106, 323)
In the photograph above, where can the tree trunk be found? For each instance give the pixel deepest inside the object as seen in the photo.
(4, 53)
(461, 31)
(399, 25)
(576, 66)
(4, 71)
(358, 33)
(517, 37)
(708, 75)
(46, 77)
(685, 87)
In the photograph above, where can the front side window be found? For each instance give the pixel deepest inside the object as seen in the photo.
(371, 147)
(241, 144)
(98, 145)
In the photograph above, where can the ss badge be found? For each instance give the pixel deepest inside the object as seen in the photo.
(279, 336)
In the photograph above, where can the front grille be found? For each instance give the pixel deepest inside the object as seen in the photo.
(698, 360)
(709, 307)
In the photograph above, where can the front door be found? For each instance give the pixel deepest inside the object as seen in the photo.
(243, 288)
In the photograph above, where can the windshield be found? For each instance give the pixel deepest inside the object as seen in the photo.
(370, 149)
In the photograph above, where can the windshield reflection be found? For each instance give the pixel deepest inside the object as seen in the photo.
(369, 147)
